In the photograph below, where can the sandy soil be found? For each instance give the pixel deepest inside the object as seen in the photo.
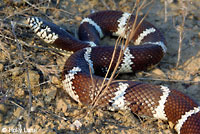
(32, 100)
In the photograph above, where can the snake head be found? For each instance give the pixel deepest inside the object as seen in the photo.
(45, 30)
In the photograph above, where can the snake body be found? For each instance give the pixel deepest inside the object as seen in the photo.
(89, 58)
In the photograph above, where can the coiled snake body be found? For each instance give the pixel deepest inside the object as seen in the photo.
(143, 99)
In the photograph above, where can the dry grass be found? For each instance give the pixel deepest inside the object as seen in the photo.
(139, 5)
(180, 28)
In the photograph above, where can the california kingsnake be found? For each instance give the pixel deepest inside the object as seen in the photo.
(143, 99)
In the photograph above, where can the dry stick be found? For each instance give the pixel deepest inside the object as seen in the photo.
(97, 97)
(134, 27)
(17, 13)
(114, 5)
(113, 55)
(35, 6)
(3, 91)
(57, 9)
(180, 28)
(93, 83)
(4, 50)
(25, 10)
(103, 83)
(104, 3)
(46, 111)
(169, 80)
(27, 72)
(110, 65)
(32, 5)
(103, 90)
(165, 11)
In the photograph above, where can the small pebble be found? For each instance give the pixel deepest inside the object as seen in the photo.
(99, 113)
(72, 127)
(17, 112)
(117, 116)
(61, 105)
(1, 67)
(1, 117)
(196, 79)
(55, 80)
(158, 73)
(16, 71)
(3, 109)
(50, 94)
(78, 18)
(33, 108)
(19, 92)
(77, 124)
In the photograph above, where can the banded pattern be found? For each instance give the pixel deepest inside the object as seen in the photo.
(67, 83)
(119, 101)
(43, 32)
(143, 99)
(127, 62)
(159, 112)
(121, 30)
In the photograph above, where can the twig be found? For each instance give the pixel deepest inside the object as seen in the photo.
(170, 80)
(180, 28)
(13, 24)
(104, 86)
(46, 111)
(104, 3)
(165, 11)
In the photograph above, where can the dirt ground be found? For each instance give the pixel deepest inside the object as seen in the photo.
(31, 96)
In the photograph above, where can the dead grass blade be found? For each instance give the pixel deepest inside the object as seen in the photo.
(180, 28)
(124, 45)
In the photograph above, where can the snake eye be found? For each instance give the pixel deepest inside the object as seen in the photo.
(42, 26)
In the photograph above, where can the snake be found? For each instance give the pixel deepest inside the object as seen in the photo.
(84, 71)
